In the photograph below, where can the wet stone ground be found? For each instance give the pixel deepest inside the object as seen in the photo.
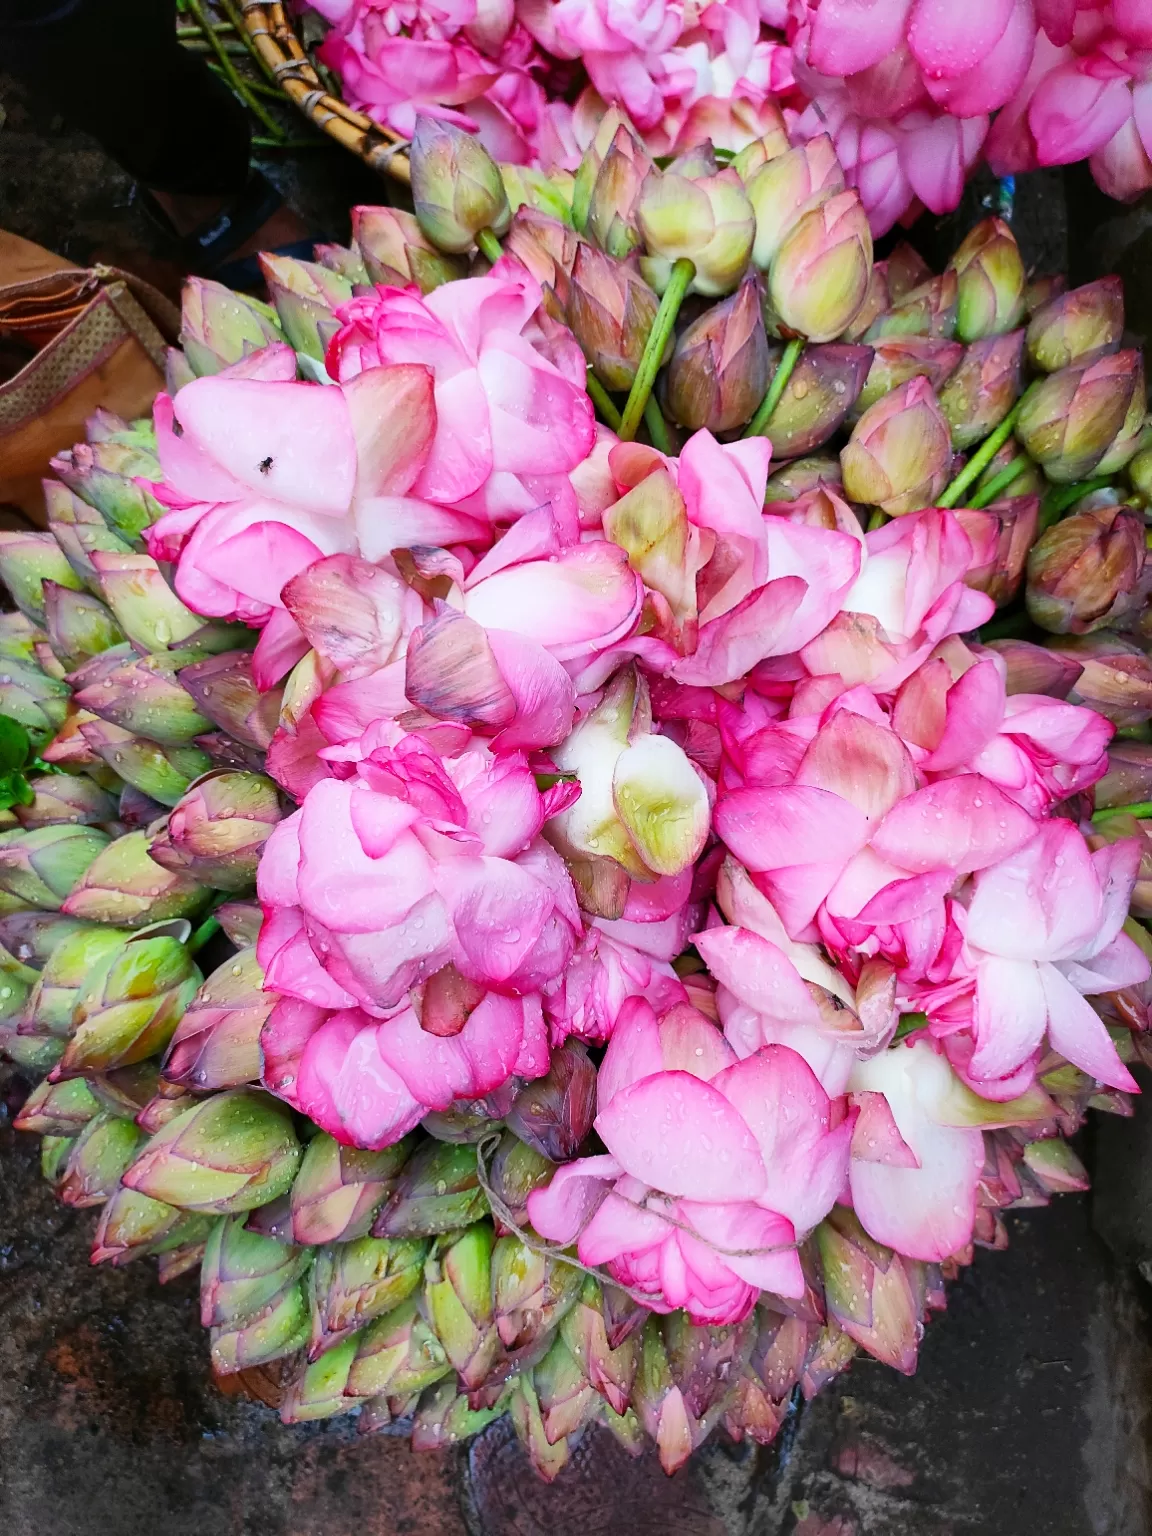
(1030, 1415)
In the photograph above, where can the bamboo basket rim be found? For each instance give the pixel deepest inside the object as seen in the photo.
(274, 37)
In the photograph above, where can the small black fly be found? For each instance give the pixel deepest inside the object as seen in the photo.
(265, 465)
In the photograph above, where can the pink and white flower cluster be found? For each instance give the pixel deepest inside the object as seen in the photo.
(557, 708)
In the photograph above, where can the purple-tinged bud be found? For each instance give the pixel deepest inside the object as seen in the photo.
(1077, 326)
(223, 688)
(169, 1100)
(217, 830)
(104, 474)
(613, 208)
(30, 697)
(162, 773)
(319, 1390)
(1116, 681)
(983, 389)
(145, 606)
(542, 1439)
(243, 1273)
(445, 1418)
(217, 1041)
(241, 922)
(900, 358)
(788, 186)
(79, 530)
(719, 371)
(439, 1191)
(801, 478)
(79, 626)
(1042, 290)
(899, 454)
(143, 696)
(1003, 532)
(42, 866)
(353, 1282)
(823, 388)
(1055, 1166)
(397, 1354)
(1036, 669)
(547, 248)
(65, 799)
(819, 276)
(516, 1170)
(1135, 431)
(394, 251)
(53, 1000)
(58, 1109)
(277, 1332)
(178, 371)
(990, 282)
(97, 1159)
(1084, 572)
(133, 1226)
(456, 186)
(530, 1292)
(458, 1300)
(1127, 782)
(554, 1114)
(305, 296)
(868, 1292)
(219, 327)
(929, 310)
(123, 885)
(27, 560)
(606, 130)
(906, 270)
(611, 310)
(339, 1190)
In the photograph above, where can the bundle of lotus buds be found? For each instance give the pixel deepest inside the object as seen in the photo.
(643, 714)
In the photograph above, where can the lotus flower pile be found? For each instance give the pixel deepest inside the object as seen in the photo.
(914, 94)
(664, 914)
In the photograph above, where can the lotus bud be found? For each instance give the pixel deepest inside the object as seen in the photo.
(145, 606)
(79, 625)
(28, 939)
(1006, 529)
(547, 248)
(822, 390)
(349, 261)
(545, 1445)
(1139, 470)
(525, 187)
(905, 269)
(215, 833)
(990, 282)
(305, 296)
(19, 637)
(719, 371)
(129, 1005)
(319, 1389)
(899, 454)
(611, 310)
(243, 1273)
(706, 219)
(53, 999)
(456, 186)
(142, 696)
(133, 1226)
(1036, 669)
(747, 161)
(786, 187)
(54, 1151)
(105, 474)
(96, 1160)
(42, 866)
(1078, 326)
(27, 560)
(397, 1354)
(79, 530)
(900, 358)
(876, 303)
(161, 773)
(169, 1100)
(530, 1292)
(223, 689)
(1127, 782)
(395, 251)
(1054, 1165)
(27, 695)
(606, 131)
(458, 1299)
(1116, 680)
(445, 1418)
(868, 1292)
(516, 1170)
(353, 1282)
(229, 1153)
(1135, 431)
(279, 1331)
(929, 310)
(610, 1371)
(219, 327)
(58, 1109)
(1084, 572)
(61, 799)
(1042, 290)
(339, 1190)
(819, 277)
(438, 1191)
(614, 204)
(983, 389)
(217, 1041)
(659, 1403)
(123, 885)
(1029, 481)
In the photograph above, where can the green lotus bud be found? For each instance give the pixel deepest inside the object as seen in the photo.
(983, 388)
(929, 310)
(243, 1274)
(61, 799)
(868, 1291)
(1084, 572)
(456, 185)
(606, 130)
(42, 866)
(990, 282)
(223, 689)
(142, 696)
(229, 1153)
(613, 207)
(438, 1191)
(129, 1005)
(1135, 431)
(54, 1151)
(219, 327)
(104, 474)
(97, 1159)
(319, 1390)
(19, 636)
(610, 1371)
(1077, 326)
(705, 218)
(279, 1331)
(353, 1282)
(395, 251)
(771, 143)
(1139, 472)
(133, 1226)
(659, 1403)
(146, 608)
(217, 1042)
(339, 1190)
(79, 625)
(905, 270)
(169, 1100)
(79, 529)
(819, 277)
(1042, 290)
(30, 697)
(58, 1109)
(28, 937)
(530, 1293)
(528, 188)
(611, 310)
(548, 249)
(899, 454)
(397, 1354)
(897, 359)
(515, 1171)
(123, 885)
(54, 996)
(1115, 678)
(546, 1447)
(161, 773)
(347, 260)
(1127, 782)
(787, 187)
(305, 296)
(1055, 1167)
(27, 560)
(719, 371)
(458, 1298)
(817, 398)
(217, 830)
(1007, 530)
(444, 1418)
(801, 478)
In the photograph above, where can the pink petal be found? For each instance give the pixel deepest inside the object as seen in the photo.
(1077, 1031)
(789, 825)
(634, 1051)
(498, 912)
(851, 35)
(974, 710)
(279, 648)
(757, 627)
(927, 1212)
(863, 763)
(1122, 963)
(1010, 1016)
(948, 41)
(560, 1210)
(1042, 902)
(540, 423)
(285, 1033)
(585, 600)
(963, 824)
(876, 1137)
(758, 973)
(544, 694)
(826, 560)
(392, 413)
(348, 609)
(190, 469)
(349, 1090)
(1072, 115)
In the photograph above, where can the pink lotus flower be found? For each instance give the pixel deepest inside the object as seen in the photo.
(715, 1168)
(619, 46)
(512, 415)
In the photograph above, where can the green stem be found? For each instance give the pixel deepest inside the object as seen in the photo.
(261, 141)
(1000, 482)
(981, 459)
(251, 101)
(1057, 500)
(253, 85)
(657, 430)
(771, 400)
(236, 20)
(877, 520)
(603, 402)
(208, 929)
(489, 245)
(1142, 809)
(683, 271)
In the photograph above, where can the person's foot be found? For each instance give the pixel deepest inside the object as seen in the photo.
(190, 214)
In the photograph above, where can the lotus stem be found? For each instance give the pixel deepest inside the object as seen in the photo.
(683, 271)
(253, 85)
(489, 245)
(877, 519)
(776, 388)
(981, 459)
(1142, 808)
(208, 929)
(603, 402)
(1000, 482)
(1057, 501)
(251, 101)
(657, 427)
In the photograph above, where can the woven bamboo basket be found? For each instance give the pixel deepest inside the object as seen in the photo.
(275, 39)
